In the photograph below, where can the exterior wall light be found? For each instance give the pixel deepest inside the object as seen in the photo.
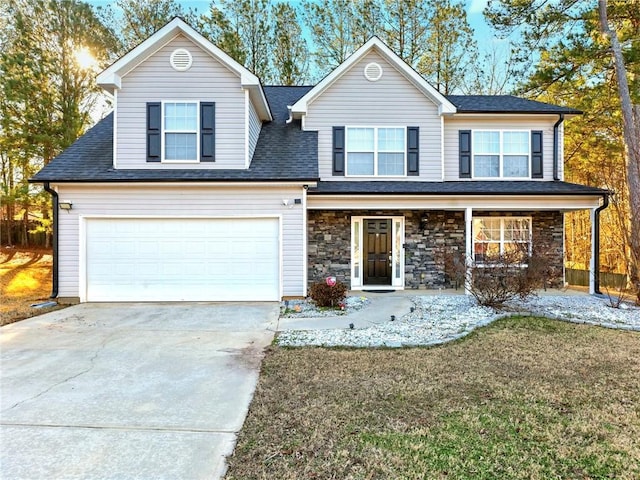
(424, 221)
(290, 203)
(66, 205)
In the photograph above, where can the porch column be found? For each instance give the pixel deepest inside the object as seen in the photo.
(593, 264)
(468, 254)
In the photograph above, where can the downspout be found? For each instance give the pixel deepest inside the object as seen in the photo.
(596, 243)
(556, 147)
(54, 240)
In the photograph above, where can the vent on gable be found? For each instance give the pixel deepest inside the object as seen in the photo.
(373, 72)
(180, 60)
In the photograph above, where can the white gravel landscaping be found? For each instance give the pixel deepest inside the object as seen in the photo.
(306, 308)
(442, 318)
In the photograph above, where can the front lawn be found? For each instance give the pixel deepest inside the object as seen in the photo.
(523, 398)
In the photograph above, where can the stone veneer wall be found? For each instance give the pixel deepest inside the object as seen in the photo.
(429, 235)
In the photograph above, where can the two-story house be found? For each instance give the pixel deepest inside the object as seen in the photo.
(204, 185)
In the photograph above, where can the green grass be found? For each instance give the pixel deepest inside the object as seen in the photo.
(525, 398)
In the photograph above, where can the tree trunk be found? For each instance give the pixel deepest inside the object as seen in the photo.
(25, 227)
(632, 144)
(10, 227)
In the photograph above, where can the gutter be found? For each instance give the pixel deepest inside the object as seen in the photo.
(596, 243)
(54, 270)
(556, 147)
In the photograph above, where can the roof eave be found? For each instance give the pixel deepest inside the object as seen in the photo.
(177, 180)
(597, 192)
(567, 114)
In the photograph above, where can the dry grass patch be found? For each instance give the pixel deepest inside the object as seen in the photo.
(25, 278)
(523, 398)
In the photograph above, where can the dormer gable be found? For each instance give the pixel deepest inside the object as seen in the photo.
(111, 78)
(299, 109)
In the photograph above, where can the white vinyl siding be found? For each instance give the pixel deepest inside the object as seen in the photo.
(181, 201)
(452, 125)
(391, 101)
(154, 80)
(254, 129)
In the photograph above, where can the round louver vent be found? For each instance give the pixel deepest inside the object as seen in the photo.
(180, 60)
(373, 72)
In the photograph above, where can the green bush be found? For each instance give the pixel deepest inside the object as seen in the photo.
(324, 295)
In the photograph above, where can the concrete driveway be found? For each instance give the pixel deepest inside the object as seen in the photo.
(129, 390)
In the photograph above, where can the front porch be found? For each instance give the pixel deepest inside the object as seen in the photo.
(413, 249)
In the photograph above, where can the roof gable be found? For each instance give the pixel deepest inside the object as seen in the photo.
(111, 78)
(444, 105)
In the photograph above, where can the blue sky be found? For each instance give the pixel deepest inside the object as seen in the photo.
(474, 12)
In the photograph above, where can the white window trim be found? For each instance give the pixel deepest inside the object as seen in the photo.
(500, 176)
(375, 152)
(397, 281)
(502, 240)
(163, 131)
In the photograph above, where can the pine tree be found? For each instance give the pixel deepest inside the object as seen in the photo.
(290, 51)
(45, 94)
(450, 47)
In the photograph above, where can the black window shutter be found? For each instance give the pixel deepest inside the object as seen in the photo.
(207, 132)
(338, 151)
(413, 150)
(465, 153)
(536, 154)
(154, 131)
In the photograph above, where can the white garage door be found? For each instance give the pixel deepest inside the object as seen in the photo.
(177, 259)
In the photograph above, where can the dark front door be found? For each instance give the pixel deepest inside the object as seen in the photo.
(377, 252)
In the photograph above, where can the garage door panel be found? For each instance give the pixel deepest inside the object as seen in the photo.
(182, 259)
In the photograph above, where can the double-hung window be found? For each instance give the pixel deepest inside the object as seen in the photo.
(180, 125)
(501, 154)
(497, 236)
(181, 131)
(375, 151)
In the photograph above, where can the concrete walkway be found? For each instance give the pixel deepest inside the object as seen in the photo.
(115, 391)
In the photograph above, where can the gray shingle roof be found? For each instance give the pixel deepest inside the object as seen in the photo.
(504, 104)
(519, 187)
(284, 153)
